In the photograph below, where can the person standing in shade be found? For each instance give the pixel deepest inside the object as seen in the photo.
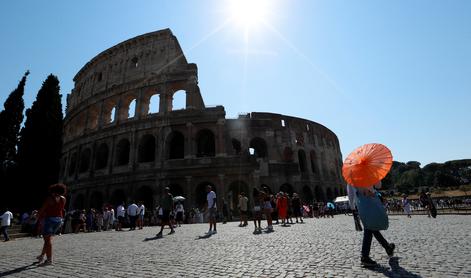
(133, 211)
(6, 217)
(212, 209)
(368, 192)
(166, 206)
(121, 214)
(243, 207)
(142, 211)
(296, 203)
(52, 212)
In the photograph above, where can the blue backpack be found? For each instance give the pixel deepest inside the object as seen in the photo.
(372, 212)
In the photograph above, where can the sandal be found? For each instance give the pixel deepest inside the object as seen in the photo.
(40, 258)
(46, 262)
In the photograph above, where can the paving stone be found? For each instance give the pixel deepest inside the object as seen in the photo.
(320, 248)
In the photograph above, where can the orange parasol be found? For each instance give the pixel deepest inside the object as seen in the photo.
(367, 165)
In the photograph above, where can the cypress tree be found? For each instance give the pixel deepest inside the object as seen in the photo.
(10, 120)
(40, 143)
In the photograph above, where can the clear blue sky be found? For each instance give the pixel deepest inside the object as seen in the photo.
(394, 72)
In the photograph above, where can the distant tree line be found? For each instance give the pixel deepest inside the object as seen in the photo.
(409, 177)
(30, 154)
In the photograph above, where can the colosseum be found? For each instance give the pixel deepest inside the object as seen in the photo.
(125, 140)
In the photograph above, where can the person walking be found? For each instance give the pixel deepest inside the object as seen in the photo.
(6, 217)
(369, 192)
(166, 206)
(212, 209)
(406, 205)
(132, 211)
(52, 214)
(225, 211)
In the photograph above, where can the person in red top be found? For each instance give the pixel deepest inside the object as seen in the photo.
(282, 205)
(52, 213)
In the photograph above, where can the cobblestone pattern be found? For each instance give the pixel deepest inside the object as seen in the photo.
(319, 248)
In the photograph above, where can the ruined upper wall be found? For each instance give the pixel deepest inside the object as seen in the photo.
(156, 55)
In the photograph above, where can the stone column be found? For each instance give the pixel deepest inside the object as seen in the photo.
(189, 146)
(221, 192)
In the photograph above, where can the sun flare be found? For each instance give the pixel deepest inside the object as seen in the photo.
(249, 13)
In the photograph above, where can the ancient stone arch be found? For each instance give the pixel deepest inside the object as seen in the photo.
(123, 149)
(175, 145)
(101, 158)
(205, 143)
(146, 150)
(260, 147)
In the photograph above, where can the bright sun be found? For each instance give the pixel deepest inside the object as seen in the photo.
(249, 13)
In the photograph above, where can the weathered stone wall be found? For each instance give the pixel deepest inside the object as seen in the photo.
(111, 155)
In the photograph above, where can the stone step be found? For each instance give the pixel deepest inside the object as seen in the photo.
(18, 235)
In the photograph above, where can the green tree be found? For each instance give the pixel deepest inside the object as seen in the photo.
(10, 121)
(40, 143)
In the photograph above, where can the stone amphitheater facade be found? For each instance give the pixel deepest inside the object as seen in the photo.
(124, 140)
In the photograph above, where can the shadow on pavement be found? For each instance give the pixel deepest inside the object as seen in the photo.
(204, 237)
(18, 270)
(395, 271)
(152, 238)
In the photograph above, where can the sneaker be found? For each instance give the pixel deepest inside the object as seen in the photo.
(214, 232)
(159, 235)
(367, 262)
(390, 250)
(209, 232)
(171, 232)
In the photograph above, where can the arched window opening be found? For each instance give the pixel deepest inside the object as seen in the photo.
(122, 152)
(205, 143)
(154, 104)
(236, 146)
(101, 156)
(72, 164)
(146, 148)
(132, 109)
(85, 160)
(112, 115)
(302, 161)
(176, 145)
(179, 100)
(259, 146)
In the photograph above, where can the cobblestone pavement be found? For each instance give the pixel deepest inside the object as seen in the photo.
(319, 248)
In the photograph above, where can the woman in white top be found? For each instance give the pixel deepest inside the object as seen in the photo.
(179, 212)
(406, 205)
